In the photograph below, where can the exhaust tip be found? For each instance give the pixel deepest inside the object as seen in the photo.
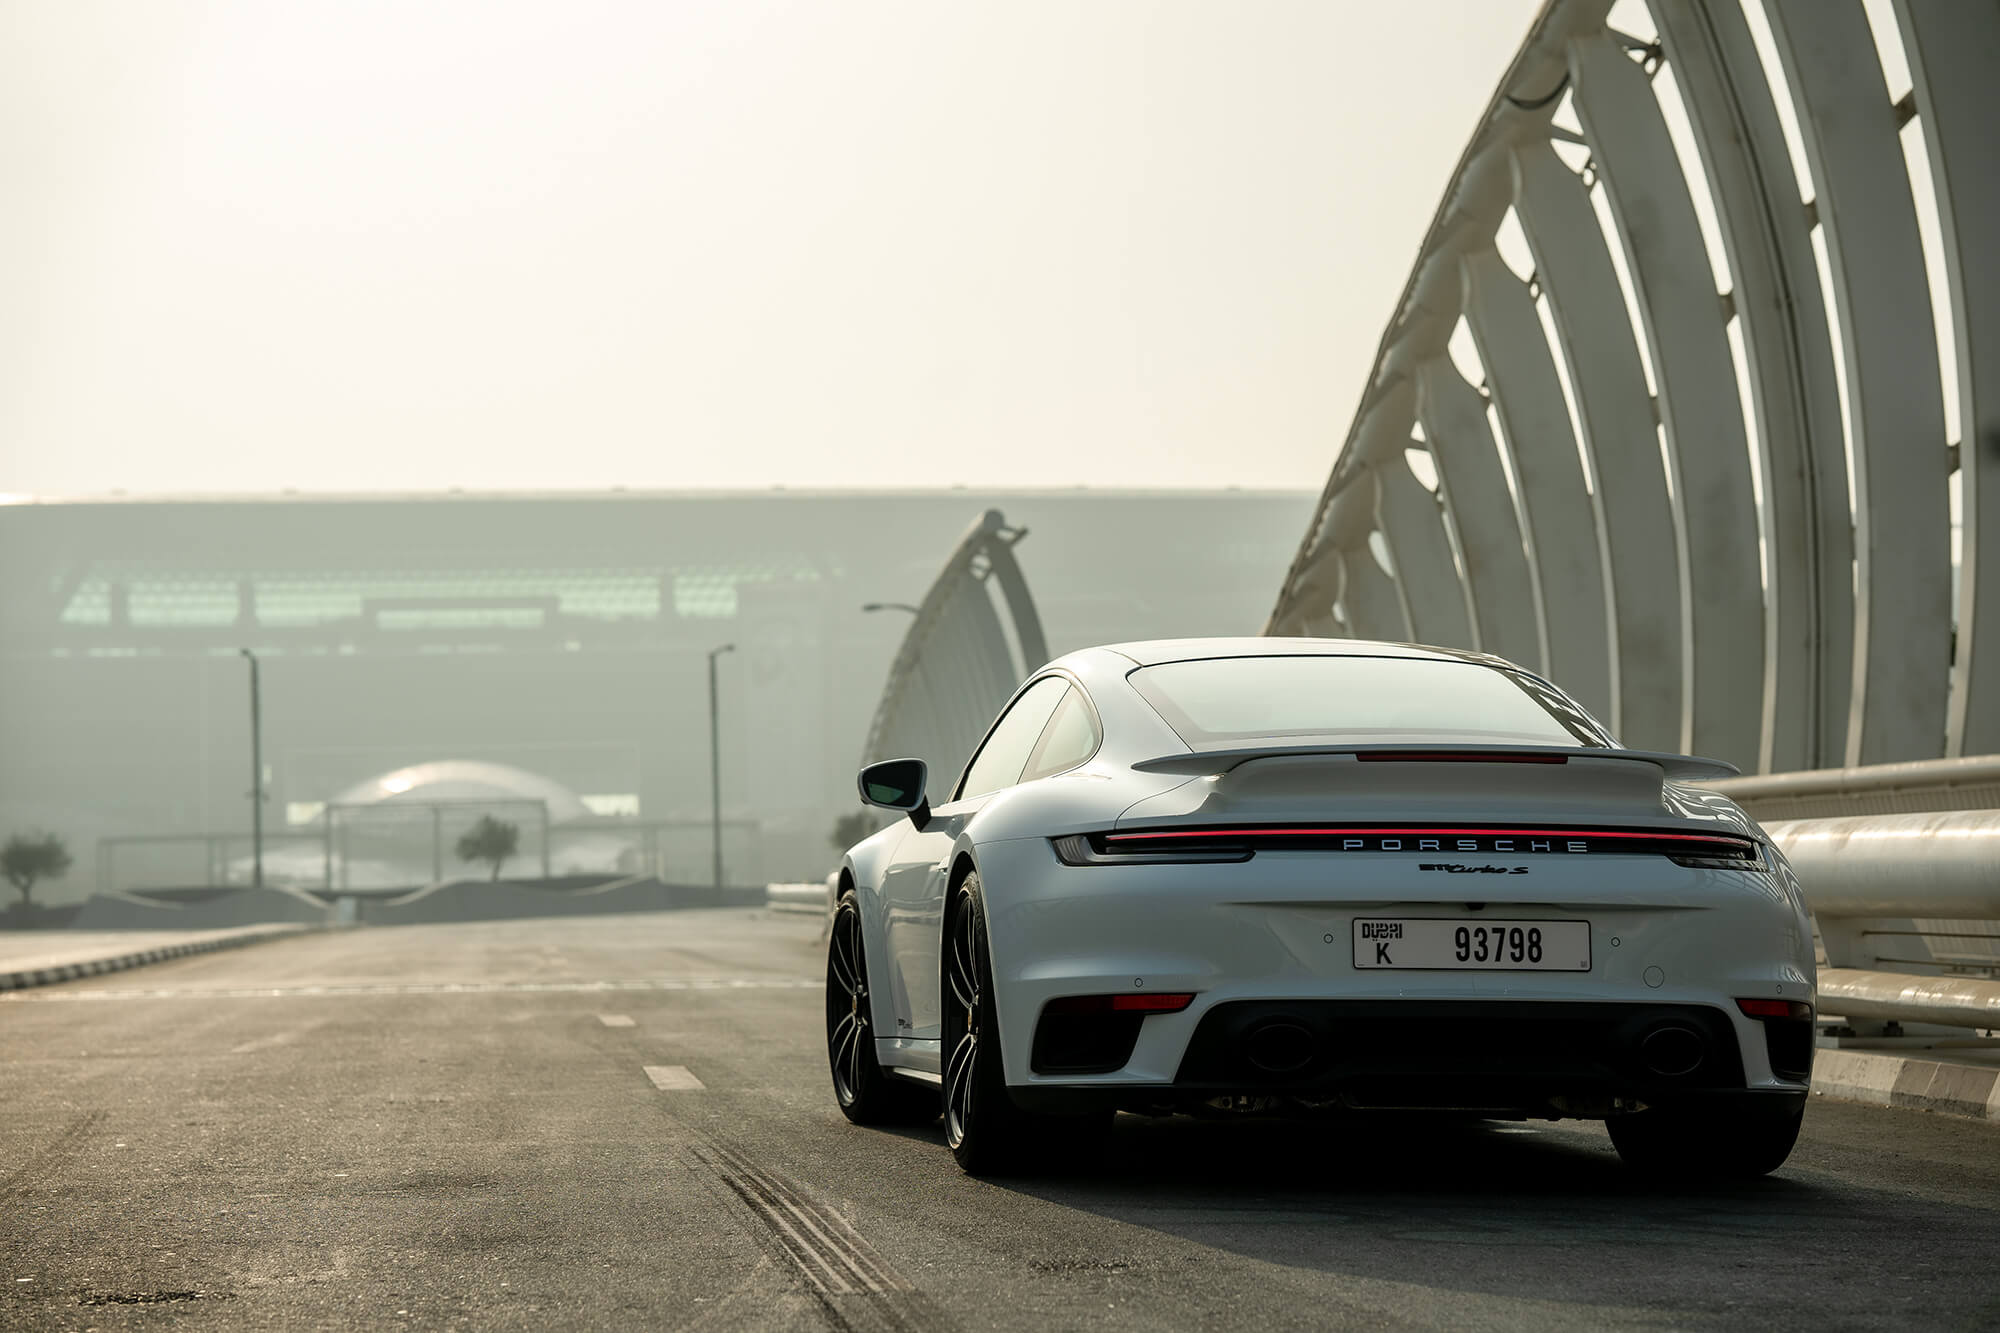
(1673, 1051)
(1279, 1046)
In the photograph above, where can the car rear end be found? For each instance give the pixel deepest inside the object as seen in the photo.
(1508, 928)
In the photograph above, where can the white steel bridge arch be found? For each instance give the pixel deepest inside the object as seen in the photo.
(1647, 493)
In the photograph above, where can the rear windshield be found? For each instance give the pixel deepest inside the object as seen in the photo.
(1362, 699)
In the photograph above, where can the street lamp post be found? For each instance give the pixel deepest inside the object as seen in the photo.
(715, 763)
(256, 775)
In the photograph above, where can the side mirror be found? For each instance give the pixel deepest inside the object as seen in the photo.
(898, 784)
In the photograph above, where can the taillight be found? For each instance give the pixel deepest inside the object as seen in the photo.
(1775, 1008)
(1126, 1002)
(1788, 1035)
(1092, 849)
(1740, 856)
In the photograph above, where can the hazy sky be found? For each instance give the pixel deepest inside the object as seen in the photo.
(392, 245)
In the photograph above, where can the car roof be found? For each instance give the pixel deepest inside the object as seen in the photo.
(1152, 652)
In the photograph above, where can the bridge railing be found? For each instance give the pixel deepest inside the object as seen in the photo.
(1901, 864)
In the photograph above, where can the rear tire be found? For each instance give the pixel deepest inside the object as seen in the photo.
(986, 1132)
(866, 1095)
(1666, 1143)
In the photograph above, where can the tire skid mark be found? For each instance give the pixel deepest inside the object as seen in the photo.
(830, 1252)
(52, 1155)
(856, 1288)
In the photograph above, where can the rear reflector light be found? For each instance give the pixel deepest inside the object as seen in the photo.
(1775, 1008)
(1162, 1002)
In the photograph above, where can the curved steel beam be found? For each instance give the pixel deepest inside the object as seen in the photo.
(1674, 287)
(1537, 66)
(1413, 526)
(1473, 486)
(955, 667)
(1412, 523)
(1954, 53)
(1795, 395)
(1616, 414)
(1902, 621)
(1560, 511)
(1369, 596)
(1374, 608)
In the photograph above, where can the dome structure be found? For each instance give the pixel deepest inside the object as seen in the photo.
(465, 780)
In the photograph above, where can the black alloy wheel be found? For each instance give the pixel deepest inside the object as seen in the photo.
(866, 1094)
(986, 1132)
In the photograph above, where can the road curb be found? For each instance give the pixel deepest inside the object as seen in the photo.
(1970, 1092)
(91, 967)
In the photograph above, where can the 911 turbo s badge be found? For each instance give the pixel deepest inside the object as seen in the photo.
(1455, 869)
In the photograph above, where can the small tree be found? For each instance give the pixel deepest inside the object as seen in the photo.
(30, 857)
(850, 829)
(491, 841)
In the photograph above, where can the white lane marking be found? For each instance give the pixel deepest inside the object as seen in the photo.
(263, 1043)
(615, 1020)
(418, 988)
(673, 1078)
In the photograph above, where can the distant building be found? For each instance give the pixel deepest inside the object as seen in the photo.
(564, 635)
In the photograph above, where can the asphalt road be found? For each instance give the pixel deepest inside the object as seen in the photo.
(455, 1126)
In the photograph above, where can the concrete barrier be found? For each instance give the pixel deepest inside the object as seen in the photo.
(118, 959)
(1965, 1090)
(814, 898)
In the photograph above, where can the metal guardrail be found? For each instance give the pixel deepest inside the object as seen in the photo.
(1908, 910)
(1899, 997)
(1945, 864)
(1969, 783)
(1901, 865)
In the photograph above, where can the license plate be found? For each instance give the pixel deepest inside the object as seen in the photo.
(1472, 943)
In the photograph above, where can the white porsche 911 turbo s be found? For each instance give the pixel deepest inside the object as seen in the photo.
(1298, 875)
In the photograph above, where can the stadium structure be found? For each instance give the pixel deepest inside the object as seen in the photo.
(564, 638)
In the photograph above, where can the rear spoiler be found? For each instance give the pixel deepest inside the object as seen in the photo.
(1203, 763)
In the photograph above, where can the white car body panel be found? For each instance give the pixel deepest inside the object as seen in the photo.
(1276, 926)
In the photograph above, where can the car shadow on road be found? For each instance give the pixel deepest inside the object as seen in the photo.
(1525, 1210)
(1413, 1156)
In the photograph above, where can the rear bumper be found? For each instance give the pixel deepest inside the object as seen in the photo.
(1665, 941)
(1503, 1058)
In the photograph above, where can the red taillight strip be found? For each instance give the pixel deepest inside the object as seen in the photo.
(1725, 840)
